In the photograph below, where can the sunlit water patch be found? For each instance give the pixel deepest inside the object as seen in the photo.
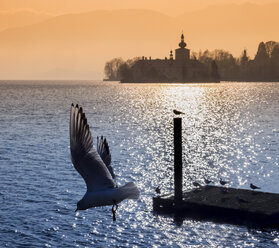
(230, 131)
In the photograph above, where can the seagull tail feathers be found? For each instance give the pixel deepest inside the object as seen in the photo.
(129, 191)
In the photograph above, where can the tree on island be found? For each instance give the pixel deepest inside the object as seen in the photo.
(117, 69)
(112, 69)
(261, 56)
(274, 62)
(274, 56)
(224, 60)
(214, 71)
(269, 46)
(265, 66)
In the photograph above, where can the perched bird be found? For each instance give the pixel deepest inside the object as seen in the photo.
(222, 182)
(207, 181)
(176, 112)
(158, 190)
(252, 186)
(196, 184)
(94, 166)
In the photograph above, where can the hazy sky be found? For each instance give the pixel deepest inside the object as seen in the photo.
(171, 7)
(42, 43)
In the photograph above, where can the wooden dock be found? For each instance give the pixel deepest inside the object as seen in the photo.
(223, 205)
(214, 203)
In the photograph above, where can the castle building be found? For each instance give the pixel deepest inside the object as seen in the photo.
(181, 69)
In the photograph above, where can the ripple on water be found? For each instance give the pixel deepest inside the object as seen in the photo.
(229, 131)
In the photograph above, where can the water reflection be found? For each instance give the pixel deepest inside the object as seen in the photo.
(229, 131)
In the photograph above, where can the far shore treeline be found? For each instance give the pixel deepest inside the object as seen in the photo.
(263, 67)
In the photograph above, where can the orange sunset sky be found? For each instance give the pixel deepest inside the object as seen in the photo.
(58, 39)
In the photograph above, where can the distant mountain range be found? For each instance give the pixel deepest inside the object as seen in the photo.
(49, 47)
(16, 18)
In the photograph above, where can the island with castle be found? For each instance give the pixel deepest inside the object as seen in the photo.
(207, 66)
(175, 69)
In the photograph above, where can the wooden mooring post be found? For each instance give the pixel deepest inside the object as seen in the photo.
(216, 203)
(177, 131)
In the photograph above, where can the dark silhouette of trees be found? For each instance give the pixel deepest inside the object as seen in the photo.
(220, 63)
(131, 62)
(264, 67)
(269, 46)
(112, 68)
(124, 71)
(214, 71)
(261, 57)
(118, 70)
(274, 56)
(224, 60)
(274, 62)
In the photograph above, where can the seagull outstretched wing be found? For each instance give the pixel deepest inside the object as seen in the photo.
(103, 150)
(85, 158)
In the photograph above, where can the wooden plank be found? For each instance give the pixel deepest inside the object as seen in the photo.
(229, 205)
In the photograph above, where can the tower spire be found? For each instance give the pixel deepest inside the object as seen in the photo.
(182, 44)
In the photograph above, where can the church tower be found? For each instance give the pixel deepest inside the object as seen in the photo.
(244, 58)
(182, 54)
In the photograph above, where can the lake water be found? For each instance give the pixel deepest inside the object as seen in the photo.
(230, 131)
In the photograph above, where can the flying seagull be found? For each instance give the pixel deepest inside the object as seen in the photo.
(176, 112)
(252, 186)
(94, 166)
